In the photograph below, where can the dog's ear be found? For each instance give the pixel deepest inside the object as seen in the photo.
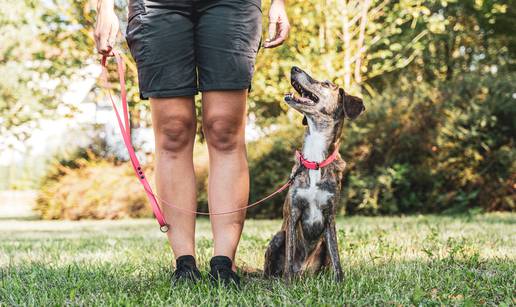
(305, 121)
(352, 106)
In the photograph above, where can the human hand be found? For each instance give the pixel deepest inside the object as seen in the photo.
(106, 28)
(278, 24)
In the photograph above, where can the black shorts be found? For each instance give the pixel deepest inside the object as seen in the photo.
(185, 46)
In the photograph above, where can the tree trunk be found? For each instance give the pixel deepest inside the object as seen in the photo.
(360, 44)
(346, 40)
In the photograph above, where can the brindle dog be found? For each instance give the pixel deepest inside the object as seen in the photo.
(307, 241)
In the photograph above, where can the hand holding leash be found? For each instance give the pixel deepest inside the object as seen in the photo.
(106, 28)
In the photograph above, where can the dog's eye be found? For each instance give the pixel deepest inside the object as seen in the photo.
(326, 83)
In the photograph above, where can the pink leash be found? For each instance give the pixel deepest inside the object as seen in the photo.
(126, 134)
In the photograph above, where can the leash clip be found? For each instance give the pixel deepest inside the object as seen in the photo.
(164, 228)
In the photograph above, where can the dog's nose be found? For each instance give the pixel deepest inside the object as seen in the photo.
(295, 69)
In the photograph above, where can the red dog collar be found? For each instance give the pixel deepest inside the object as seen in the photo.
(316, 165)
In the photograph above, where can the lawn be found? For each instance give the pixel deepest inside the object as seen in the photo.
(428, 260)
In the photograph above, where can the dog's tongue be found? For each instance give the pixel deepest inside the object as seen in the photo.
(297, 99)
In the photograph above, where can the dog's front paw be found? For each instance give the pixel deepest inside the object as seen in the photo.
(339, 276)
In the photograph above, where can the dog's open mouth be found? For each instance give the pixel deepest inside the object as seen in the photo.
(306, 97)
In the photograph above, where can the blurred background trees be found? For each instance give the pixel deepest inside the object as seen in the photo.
(438, 79)
(24, 85)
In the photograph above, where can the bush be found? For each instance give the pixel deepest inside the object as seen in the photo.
(449, 147)
(91, 187)
(90, 183)
(270, 162)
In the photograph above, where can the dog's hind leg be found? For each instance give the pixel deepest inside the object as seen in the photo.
(330, 235)
(275, 256)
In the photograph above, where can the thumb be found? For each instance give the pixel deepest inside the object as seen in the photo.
(273, 26)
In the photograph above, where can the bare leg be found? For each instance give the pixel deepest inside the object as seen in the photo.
(174, 129)
(224, 114)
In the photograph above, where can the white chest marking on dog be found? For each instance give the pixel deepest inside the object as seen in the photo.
(313, 150)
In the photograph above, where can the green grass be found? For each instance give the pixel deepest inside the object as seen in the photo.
(428, 260)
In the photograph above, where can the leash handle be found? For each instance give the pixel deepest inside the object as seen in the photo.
(126, 135)
(125, 129)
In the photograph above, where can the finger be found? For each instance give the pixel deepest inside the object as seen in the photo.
(102, 34)
(103, 47)
(112, 36)
(282, 36)
(96, 36)
(96, 42)
(273, 33)
(101, 39)
(284, 30)
(273, 25)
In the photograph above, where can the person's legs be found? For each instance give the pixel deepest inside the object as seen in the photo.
(174, 125)
(224, 114)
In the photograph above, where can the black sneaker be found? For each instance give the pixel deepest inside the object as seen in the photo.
(186, 270)
(221, 271)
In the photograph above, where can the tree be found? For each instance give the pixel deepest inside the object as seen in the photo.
(44, 47)
(25, 89)
(462, 36)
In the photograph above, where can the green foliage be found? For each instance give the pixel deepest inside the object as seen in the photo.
(476, 142)
(317, 43)
(436, 75)
(460, 37)
(44, 47)
(24, 88)
(429, 149)
(270, 163)
(427, 39)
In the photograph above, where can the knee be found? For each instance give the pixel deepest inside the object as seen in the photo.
(175, 134)
(224, 133)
